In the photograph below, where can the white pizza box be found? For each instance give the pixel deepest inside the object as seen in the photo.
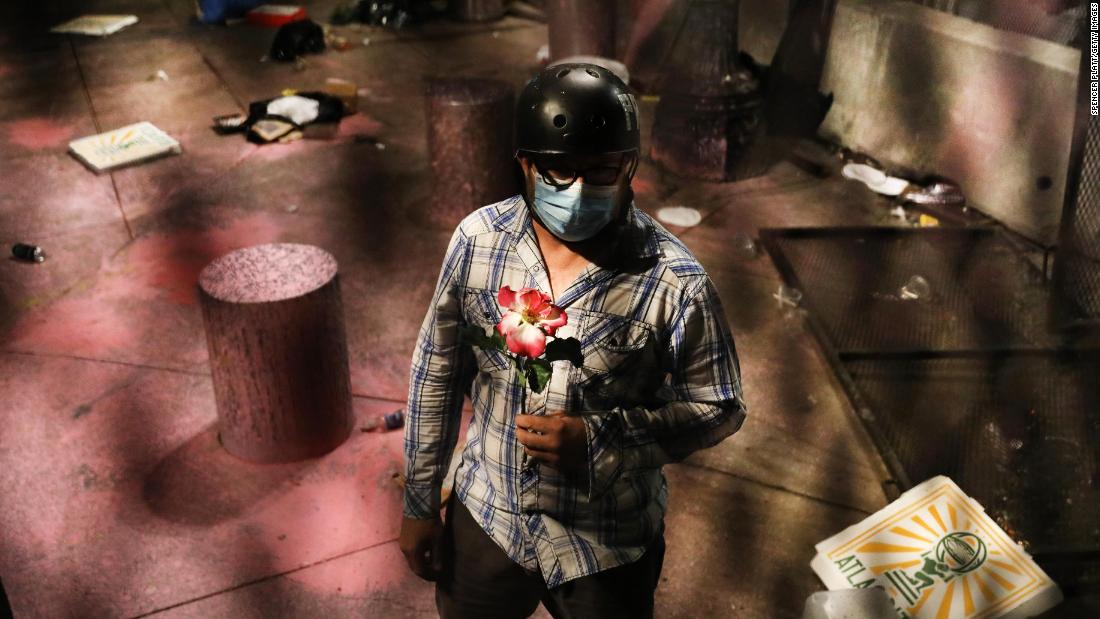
(127, 145)
(96, 25)
(939, 556)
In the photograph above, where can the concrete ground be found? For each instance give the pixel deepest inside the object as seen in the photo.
(117, 498)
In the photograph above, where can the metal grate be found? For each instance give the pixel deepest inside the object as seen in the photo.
(965, 382)
(983, 295)
(1077, 262)
(1015, 431)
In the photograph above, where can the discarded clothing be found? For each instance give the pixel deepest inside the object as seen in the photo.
(277, 119)
(297, 39)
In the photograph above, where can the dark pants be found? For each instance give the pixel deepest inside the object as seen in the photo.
(479, 581)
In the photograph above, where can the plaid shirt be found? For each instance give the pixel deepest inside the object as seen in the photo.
(660, 379)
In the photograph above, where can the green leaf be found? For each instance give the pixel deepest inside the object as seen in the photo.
(568, 348)
(538, 374)
(498, 341)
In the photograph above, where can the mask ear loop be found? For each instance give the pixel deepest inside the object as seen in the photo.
(634, 166)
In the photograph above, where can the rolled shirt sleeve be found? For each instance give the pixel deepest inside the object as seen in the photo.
(437, 386)
(708, 403)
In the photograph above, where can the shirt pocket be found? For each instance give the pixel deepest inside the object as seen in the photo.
(621, 365)
(480, 308)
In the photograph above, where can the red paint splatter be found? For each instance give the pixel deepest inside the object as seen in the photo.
(38, 133)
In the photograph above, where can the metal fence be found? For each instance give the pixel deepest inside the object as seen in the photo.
(957, 373)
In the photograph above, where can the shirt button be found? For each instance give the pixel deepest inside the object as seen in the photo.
(536, 268)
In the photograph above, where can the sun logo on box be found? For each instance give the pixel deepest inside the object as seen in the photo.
(954, 565)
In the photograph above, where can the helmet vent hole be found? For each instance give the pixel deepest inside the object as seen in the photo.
(592, 72)
(597, 121)
(559, 121)
(561, 74)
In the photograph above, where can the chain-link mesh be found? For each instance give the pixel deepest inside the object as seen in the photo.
(1013, 431)
(1077, 263)
(965, 380)
(978, 293)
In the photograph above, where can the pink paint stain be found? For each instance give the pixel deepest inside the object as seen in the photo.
(170, 264)
(359, 124)
(113, 315)
(38, 133)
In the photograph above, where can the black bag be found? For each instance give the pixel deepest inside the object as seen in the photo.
(296, 39)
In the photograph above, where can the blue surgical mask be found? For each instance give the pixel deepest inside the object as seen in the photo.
(575, 213)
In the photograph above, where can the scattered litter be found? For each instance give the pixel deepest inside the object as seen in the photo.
(616, 67)
(282, 119)
(297, 38)
(787, 297)
(956, 549)
(96, 25)
(937, 192)
(926, 221)
(125, 146)
(344, 90)
(542, 56)
(292, 208)
(916, 288)
(300, 64)
(395, 14)
(161, 75)
(394, 420)
(869, 603)
(275, 15)
(683, 216)
(366, 40)
(875, 179)
(30, 253)
(363, 138)
(229, 123)
(744, 245)
(900, 214)
(496, 35)
(389, 421)
(338, 43)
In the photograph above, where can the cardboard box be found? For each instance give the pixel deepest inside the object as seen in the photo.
(939, 556)
(96, 25)
(125, 146)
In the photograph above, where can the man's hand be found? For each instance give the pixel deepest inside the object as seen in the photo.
(421, 542)
(556, 439)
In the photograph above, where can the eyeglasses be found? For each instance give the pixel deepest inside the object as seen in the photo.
(561, 174)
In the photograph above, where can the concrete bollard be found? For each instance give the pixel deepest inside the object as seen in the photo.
(278, 352)
(581, 27)
(470, 146)
(709, 113)
(475, 10)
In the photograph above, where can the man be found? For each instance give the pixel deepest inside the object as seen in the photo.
(559, 496)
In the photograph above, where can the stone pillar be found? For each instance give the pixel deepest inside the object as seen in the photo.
(470, 147)
(475, 10)
(581, 27)
(709, 112)
(278, 352)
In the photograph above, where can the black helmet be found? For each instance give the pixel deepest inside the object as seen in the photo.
(576, 109)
